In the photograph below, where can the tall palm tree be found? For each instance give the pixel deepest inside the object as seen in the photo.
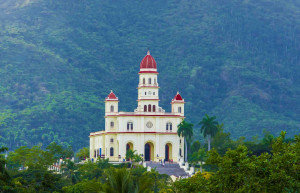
(185, 130)
(209, 128)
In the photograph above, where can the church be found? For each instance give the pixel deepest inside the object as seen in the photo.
(149, 130)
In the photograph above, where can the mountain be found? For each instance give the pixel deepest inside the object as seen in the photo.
(238, 60)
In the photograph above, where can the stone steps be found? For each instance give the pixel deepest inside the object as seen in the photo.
(168, 168)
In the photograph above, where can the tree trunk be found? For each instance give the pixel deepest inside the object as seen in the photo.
(208, 141)
(201, 166)
(185, 152)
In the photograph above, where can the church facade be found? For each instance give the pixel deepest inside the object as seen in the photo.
(149, 130)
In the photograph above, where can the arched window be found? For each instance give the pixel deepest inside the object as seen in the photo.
(155, 81)
(169, 126)
(112, 108)
(111, 151)
(112, 124)
(94, 153)
(129, 126)
(149, 108)
(180, 152)
(144, 81)
(179, 109)
(145, 108)
(149, 81)
(153, 108)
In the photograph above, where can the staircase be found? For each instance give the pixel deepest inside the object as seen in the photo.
(169, 169)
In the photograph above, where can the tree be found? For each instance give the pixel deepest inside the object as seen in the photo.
(5, 179)
(133, 156)
(83, 153)
(185, 130)
(198, 157)
(31, 158)
(59, 151)
(209, 128)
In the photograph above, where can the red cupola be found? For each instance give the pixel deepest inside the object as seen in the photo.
(177, 99)
(111, 97)
(148, 64)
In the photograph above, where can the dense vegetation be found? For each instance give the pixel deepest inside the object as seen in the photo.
(235, 59)
(267, 165)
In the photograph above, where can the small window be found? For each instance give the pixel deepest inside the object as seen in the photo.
(98, 154)
(180, 152)
(111, 140)
(149, 108)
(153, 93)
(145, 108)
(169, 126)
(149, 81)
(112, 108)
(145, 93)
(112, 124)
(180, 141)
(111, 151)
(155, 81)
(179, 109)
(153, 108)
(95, 153)
(129, 126)
(144, 81)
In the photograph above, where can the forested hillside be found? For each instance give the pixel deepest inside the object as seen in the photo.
(238, 60)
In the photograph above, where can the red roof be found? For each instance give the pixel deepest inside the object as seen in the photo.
(177, 98)
(111, 96)
(148, 62)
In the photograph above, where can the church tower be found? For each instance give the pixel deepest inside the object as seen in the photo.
(148, 87)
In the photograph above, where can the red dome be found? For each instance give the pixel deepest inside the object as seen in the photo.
(148, 62)
(111, 96)
(177, 98)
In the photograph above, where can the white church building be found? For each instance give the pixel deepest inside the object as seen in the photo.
(149, 130)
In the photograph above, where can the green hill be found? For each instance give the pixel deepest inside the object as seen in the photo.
(238, 60)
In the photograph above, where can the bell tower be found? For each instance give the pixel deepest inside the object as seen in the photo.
(148, 85)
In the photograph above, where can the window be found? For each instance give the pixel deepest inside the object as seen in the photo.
(179, 109)
(144, 81)
(98, 154)
(153, 93)
(111, 151)
(145, 93)
(169, 126)
(180, 152)
(149, 81)
(145, 108)
(111, 140)
(94, 153)
(149, 108)
(112, 124)
(155, 81)
(153, 108)
(180, 141)
(129, 126)
(111, 108)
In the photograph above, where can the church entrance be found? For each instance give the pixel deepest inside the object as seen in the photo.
(168, 152)
(149, 151)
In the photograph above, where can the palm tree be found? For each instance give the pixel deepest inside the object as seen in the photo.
(209, 128)
(185, 130)
(198, 157)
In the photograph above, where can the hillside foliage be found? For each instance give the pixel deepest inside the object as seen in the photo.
(238, 60)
